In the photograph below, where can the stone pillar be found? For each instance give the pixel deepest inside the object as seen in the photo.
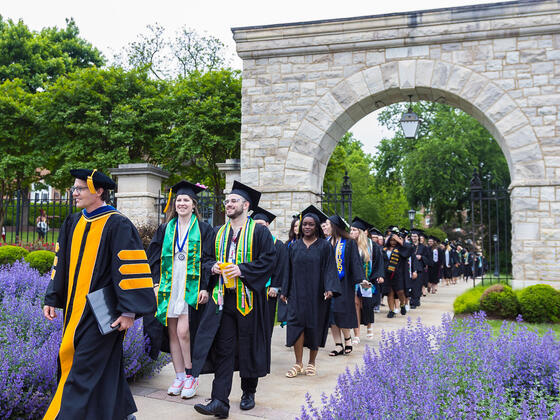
(138, 191)
(232, 169)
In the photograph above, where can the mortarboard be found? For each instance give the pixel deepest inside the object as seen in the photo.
(251, 195)
(94, 179)
(338, 221)
(375, 231)
(361, 224)
(183, 188)
(433, 238)
(262, 214)
(312, 210)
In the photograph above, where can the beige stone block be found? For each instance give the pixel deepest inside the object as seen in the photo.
(457, 79)
(300, 161)
(404, 52)
(505, 44)
(525, 231)
(521, 137)
(440, 75)
(390, 75)
(501, 108)
(543, 100)
(474, 86)
(375, 57)
(424, 72)
(488, 97)
(512, 57)
(407, 74)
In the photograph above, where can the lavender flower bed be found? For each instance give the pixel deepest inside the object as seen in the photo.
(450, 372)
(29, 345)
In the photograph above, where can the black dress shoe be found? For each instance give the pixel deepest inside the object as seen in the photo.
(213, 408)
(247, 401)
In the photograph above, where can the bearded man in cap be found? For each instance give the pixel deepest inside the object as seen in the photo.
(233, 329)
(98, 248)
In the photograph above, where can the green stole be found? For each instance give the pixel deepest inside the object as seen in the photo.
(267, 285)
(243, 254)
(193, 254)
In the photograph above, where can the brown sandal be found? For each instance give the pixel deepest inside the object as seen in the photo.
(310, 370)
(294, 371)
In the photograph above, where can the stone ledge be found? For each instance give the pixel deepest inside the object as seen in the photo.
(139, 194)
(138, 169)
(534, 183)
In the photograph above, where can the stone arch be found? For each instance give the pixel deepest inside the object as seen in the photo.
(375, 87)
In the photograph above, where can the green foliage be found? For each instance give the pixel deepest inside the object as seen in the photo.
(540, 303)
(99, 118)
(9, 254)
(42, 261)
(500, 300)
(379, 204)
(205, 111)
(469, 301)
(436, 168)
(39, 58)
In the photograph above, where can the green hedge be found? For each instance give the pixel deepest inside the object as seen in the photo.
(9, 254)
(540, 303)
(42, 261)
(500, 300)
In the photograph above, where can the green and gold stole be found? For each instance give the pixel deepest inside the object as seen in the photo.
(243, 254)
(194, 252)
(270, 279)
(393, 261)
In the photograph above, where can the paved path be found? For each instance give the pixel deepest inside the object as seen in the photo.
(277, 396)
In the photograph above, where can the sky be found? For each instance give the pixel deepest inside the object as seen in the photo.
(111, 25)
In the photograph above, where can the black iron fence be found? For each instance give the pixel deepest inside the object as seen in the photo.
(490, 219)
(338, 201)
(26, 220)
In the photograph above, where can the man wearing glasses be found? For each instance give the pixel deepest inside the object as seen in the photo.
(98, 248)
(233, 329)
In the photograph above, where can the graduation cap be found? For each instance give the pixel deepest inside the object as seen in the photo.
(361, 224)
(314, 211)
(391, 228)
(446, 241)
(261, 214)
(433, 238)
(183, 188)
(404, 231)
(376, 231)
(339, 221)
(251, 195)
(94, 179)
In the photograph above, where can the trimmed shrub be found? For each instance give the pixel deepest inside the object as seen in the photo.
(500, 300)
(9, 254)
(42, 261)
(540, 303)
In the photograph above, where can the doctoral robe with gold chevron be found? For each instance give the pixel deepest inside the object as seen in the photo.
(96, 250)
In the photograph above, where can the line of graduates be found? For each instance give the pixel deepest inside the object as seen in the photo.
(218, 291)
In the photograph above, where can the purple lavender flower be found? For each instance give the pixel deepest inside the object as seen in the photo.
(456, 370)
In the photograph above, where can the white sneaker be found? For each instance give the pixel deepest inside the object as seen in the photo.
(176, 388)
(190, 387)
(407, 307)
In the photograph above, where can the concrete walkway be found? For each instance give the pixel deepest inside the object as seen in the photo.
(279, 397)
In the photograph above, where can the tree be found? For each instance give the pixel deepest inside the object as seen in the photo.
(170, 57)
(99, 118)
(381, 204)
(205, 110)
(436, 168)
(19, 148)
(39, 58)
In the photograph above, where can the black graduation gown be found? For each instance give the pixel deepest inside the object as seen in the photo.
(378, 270)
(456, 270)
(397, 280)
(420, 267)
(277, 280)
(94, 251)
(312, 271)
(343, 306)
(253, 346)
(435, 268)
(157, 333)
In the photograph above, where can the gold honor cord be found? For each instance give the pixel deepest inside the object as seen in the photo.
(90, 185)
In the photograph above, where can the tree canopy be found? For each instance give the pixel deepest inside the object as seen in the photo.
(436, 167)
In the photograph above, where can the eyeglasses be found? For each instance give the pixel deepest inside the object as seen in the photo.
(232, 201)
(78, 189)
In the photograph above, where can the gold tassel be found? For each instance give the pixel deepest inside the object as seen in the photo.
(90, 185)
(168, 200)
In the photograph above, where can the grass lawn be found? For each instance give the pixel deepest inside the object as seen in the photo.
(540, 329)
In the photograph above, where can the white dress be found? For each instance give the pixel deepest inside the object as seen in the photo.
(177, 304)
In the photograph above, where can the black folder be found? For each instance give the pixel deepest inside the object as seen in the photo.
(103, 303)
